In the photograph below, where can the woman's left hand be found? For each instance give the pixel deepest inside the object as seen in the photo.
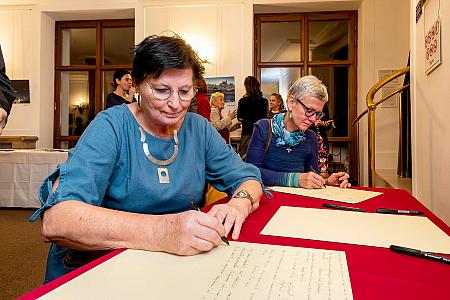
(339, 179)
(231, 215)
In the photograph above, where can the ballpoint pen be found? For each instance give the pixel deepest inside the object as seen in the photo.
(223, 238)
(398, 211)
(314, 171)
(341, 207)
(419, 253)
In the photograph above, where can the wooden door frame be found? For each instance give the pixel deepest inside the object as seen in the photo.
(99, 67)
(304, 64)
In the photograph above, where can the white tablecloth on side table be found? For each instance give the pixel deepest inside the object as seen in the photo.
(22, 173)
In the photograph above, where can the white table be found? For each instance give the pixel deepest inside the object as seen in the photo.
(22, 173)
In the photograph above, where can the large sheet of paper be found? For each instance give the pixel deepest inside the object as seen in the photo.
(330, 193)
(238, 271)
(370, 229)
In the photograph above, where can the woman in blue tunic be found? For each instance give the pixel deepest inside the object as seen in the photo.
(284, 149)
(130, 180)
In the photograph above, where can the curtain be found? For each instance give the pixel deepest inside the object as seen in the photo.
(404, 166)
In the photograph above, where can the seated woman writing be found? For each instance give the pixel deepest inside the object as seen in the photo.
(284, 149)
(131, 179)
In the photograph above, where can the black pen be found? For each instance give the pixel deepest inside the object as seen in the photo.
(223, 238)
(398, 211)
(314, 171)
(418, 253)
(335, 206)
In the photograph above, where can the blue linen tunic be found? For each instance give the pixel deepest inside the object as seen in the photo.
(277, 165)
(109, 168)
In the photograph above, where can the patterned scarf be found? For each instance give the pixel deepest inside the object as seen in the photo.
(284, 137)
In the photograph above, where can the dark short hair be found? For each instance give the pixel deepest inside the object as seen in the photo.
(252, 87)
(118, 75)
(201, 85)
(155, 54)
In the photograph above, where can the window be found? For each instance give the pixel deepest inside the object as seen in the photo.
(288, 46)
(86, 55)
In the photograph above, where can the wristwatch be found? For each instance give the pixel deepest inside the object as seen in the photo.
(246, 195)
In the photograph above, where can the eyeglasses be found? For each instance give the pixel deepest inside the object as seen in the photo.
(164, 93)
(309, 112)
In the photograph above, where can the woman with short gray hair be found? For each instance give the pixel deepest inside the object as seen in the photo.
(284, 149)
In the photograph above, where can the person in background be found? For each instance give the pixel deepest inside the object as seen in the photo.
(78, 130)
(289, 156)
(7, 95)
(123, 89)
(320, 127)
(138, 169)
(203, 105)
(222, 124)
(251, 108)
(275, 105)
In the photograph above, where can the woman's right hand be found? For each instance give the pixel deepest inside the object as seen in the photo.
(191, 232)
(232, 114)
(131, 93)
(311, 180)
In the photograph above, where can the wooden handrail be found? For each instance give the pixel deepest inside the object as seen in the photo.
(371, 107)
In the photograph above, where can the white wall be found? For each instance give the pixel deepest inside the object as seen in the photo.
(207, 26)
(17, 46)
(431, 108)
(44, 76)
(383, 44)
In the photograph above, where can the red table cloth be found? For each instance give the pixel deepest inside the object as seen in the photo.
(375, 272)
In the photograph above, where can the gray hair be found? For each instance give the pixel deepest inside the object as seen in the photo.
(308, 86)
(214, 99)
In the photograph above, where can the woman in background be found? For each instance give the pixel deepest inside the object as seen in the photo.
(251, 108)
(7, 95)
(203, 106)
(275, 105)
(222, 124)
(320, 127)
(123, 89)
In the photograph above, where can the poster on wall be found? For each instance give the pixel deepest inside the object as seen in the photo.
(224, 85)
(22, 90)
(389, 87)
(433, 46)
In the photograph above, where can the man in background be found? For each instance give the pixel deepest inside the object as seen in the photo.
(7, 96)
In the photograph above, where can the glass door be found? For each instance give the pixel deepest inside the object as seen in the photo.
(86, 55)
(288, 46)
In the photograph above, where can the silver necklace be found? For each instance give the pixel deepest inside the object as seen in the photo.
(163, 173)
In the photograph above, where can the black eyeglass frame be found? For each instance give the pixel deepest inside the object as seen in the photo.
(309, 112)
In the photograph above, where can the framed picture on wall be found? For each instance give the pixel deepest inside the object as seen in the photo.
(225, 85)
(22, 90)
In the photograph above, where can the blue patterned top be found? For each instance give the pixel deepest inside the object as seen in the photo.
(281, 165)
